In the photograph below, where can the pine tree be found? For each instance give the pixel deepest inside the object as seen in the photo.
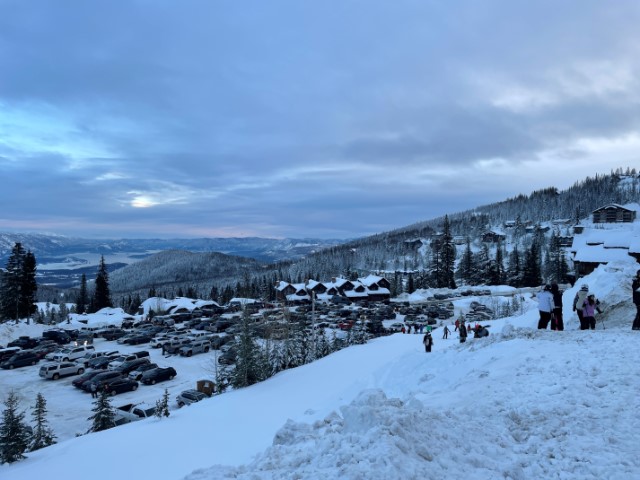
(14, 436)
(466, 266)
(104, 416)
(248, 368)
(18, 289)
(448, 255)
(42, 435)
(82, 300)
(531, 276)
(101, 294)
(162, 405)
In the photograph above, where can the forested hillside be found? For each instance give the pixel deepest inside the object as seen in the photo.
(408, 249)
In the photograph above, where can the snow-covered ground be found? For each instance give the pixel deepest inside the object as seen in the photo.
(520, 404)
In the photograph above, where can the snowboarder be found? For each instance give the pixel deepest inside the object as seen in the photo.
(557, 322)
(463, 332)
(589, 308)
(578, 301)
(446, 332)
(635, 287)
(545, 307)
(428, 342)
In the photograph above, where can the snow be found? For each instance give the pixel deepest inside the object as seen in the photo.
(519, 404)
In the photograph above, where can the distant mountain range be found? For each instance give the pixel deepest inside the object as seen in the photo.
(62, 260)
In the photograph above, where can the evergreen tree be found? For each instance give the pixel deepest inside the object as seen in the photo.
(18, 288)
(466, 266)
(104, 416)
(531, 275)
(248, 368)
(101, 294)
(14, 436)
(162, 405)
(42, 435)
(514, 274)
(448, 255)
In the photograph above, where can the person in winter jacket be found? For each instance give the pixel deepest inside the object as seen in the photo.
(635, 288)
(556, 319)
(463, 332)
(589, 309)
(545, 307)
(578, 301)
(446, 332)
(428, 342)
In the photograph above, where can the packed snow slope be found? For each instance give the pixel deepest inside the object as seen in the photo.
(519, 404)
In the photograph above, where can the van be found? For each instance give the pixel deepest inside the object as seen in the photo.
(20, 359)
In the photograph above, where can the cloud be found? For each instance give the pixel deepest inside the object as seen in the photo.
(301, 119)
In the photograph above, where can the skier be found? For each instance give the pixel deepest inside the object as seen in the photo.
(463, 332)
(446, 332)
(635, 288)
(578, 301)
(589, 307)
(557, 322)
(428, 342)
(545, 307)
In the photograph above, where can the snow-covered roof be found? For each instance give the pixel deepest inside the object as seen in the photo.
(370, 280)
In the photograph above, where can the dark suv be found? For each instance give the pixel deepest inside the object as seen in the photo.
(131, 365)
(58, 336)
(100, 380)
(23, 342)
(20, 359)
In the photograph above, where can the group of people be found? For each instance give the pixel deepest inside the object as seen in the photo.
(585, 304)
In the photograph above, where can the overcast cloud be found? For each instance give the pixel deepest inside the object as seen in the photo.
(333, 118)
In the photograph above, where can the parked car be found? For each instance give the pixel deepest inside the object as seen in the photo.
(24, 342)
(228, 357)
(95, 355)
(151, 377)
(113, 334)
(187, 397)
(131, 365)
(84, 378)
(45, 348)
(119, 360)
(7, 353)
(198, 346)
(56, 370)
(20, 359)
(100, 380)
(120, 385)
(59, 336)
(137, 373)
(67, 354)
(136, 339)
(85, 338)
(175, 345)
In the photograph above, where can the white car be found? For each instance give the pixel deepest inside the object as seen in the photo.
(56, 370)
(67, 354)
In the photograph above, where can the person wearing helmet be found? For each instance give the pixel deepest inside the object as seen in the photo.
(635, 288)
(578, 303)
(545, 307)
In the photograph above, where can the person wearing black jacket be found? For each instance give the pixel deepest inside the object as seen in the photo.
(463, 332)
(557, 323)
(635, 288)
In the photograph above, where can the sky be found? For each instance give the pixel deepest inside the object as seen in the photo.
(332, 119)
(521, 403)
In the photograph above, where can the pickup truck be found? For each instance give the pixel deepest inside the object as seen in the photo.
(132, 412)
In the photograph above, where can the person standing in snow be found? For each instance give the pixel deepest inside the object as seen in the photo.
(446, 332)
(635, 288)
(578, 302)
(557, 322)
(428, 342)
(463, 332)
(589, 307)
(545, 307)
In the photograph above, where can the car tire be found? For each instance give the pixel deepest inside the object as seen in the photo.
(189, 353)
(206, 350)
(153, 381)
(180, 404)
(171, 377)
(65, 359)
(134, 388)
(80, 371)
(56, 376)
(11, 367)
(33, 362)
(113, 393)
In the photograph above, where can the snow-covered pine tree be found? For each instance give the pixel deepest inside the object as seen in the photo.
(162, 405)
(14, 436)
(104, 416)
(42, 434)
